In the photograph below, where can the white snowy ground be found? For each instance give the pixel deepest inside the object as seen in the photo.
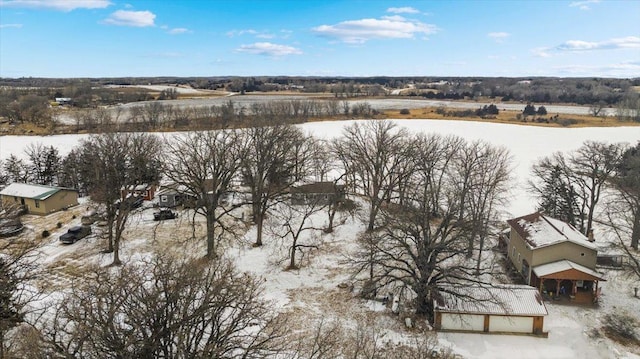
(183, 90)
(313, 291)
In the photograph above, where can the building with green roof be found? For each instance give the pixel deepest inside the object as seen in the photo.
(38, 199)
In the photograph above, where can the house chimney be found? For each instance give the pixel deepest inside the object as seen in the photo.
(590, 235)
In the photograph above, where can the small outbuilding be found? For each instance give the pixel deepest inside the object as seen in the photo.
(146, 191)
(321, 193)
(503, 309)
(39, 199)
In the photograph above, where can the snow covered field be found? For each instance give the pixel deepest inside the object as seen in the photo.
(313, 290)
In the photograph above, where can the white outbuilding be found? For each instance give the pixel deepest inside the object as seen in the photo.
(501, 309)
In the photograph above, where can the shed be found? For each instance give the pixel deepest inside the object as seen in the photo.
(503, 309)
(39, 199)
(320, 193)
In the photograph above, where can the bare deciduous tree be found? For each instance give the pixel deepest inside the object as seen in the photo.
(18, 269)
(205, 164)
(276, 154)
(375, 155)
(483, 173)
(586, 171)
(423, 243)
(118, 163)
(626, 181)
(294, 224)
(166, 308)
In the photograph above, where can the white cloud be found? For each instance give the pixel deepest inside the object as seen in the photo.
(178, 30)
(269, 49)
(131, 18)
(233, 33)
(258, 34)
(498, 36)
(61, 5)
(403, 10)
(394, 18)
(621, 69)
(629, 42)
(4, 26)
(360, 31)
(541, 52)
(583, 5)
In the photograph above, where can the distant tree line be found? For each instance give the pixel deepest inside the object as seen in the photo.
(155, 115)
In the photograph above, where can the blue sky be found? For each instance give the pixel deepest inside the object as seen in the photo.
(111, 38)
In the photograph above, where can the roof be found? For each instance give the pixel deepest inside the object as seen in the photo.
(539, 230)
(561, 266)
(33, 191)
(318, 187)
(517, 300)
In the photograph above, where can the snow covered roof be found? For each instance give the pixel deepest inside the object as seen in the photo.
(519, 300)
(561, 266)
(539, 230)
(318, 187)
(32, 191)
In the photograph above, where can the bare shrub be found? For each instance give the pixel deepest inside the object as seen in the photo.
(621, 326)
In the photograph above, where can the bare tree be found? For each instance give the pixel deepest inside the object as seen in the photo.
(166, 308)
(297, 225)
(483, 173)
(619, 221)
(276, 154)
(205, 164)
(586, 171)
(18, 270)
(328, 339)
(116, 164)
(375, 155)
(627, 183)
(423, 243)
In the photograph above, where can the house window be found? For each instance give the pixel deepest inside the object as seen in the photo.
(15, 199)
(37, 203)
(581, 254)
(164, 198)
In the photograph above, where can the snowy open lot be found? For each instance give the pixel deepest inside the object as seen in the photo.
(313, 291)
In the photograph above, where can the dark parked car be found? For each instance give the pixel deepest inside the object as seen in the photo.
(75, 234)
(164, 214)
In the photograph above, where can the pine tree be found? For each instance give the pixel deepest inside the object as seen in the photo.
(558, 198)
(16, 170)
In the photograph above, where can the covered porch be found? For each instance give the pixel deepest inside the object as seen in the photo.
(566, 280)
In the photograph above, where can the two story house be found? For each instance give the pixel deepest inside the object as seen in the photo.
(554, 257)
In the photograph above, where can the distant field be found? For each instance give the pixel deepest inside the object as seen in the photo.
(511, 117)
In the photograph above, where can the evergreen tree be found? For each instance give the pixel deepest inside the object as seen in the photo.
(542, 111)
(558, 199)
(529, 110)
(16, 170)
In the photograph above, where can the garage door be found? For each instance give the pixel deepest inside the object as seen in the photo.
(511, 324)
(462, 322)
